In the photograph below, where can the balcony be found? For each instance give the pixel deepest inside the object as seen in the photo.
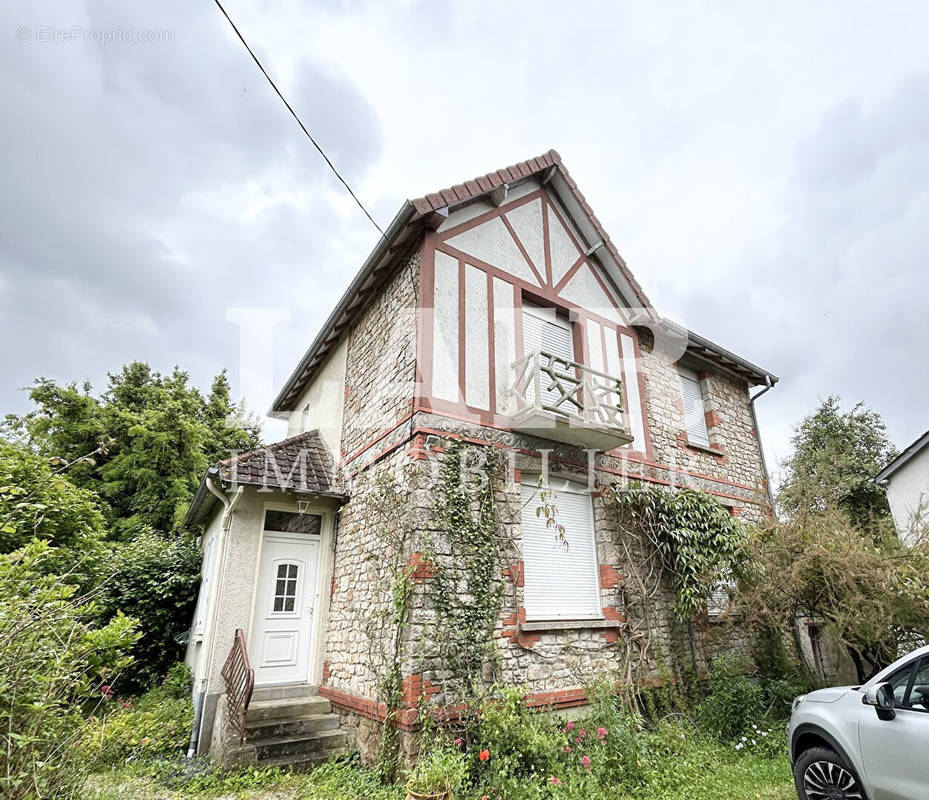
(565, 401)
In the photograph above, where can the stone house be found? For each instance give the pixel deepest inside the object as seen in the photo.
(495, 316)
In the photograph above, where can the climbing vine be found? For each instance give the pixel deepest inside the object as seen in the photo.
(467, 591)
(697, 540)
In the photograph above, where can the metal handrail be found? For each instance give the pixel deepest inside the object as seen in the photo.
(240, 682)
(546, 382)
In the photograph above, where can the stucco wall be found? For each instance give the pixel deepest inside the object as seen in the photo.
(908, 495)
(326, 399)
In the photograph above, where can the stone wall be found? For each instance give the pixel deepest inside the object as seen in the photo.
(380, 370)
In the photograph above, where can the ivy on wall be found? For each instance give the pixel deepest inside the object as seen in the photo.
(467, 591)
(696, 538)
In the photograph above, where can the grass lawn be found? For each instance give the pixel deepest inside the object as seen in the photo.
(737, 778)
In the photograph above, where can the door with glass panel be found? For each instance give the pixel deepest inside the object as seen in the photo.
(281, 648)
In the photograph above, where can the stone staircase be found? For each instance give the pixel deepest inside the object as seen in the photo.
(292, 726)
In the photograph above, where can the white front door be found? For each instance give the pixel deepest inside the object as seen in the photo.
(282, 633)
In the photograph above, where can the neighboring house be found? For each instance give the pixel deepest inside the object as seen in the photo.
(906, 480)
(496, 313)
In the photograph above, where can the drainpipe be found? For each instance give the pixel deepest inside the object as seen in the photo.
(769, 384)
(220, 559)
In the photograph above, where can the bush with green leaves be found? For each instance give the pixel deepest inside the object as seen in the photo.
(438, 770)
(37, 501)
(156, 725)
(53, 663)
(155, 581)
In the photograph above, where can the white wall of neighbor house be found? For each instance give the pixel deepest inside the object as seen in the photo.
(322, 404)
(908, 496)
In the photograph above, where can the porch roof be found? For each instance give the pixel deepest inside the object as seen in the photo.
(301, 464)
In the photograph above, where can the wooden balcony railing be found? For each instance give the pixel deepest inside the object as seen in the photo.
(240, 682)
(549, 386)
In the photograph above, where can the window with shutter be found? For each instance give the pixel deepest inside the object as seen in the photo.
(544, 330)
(561, 578)
(694, 414)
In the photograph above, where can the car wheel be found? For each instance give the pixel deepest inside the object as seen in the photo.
(821, 774)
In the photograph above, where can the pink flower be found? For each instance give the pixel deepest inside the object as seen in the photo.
(458, 742)
(582, 733)
(577, 739)
(555, 782)
(585, 762)
(106, 691)
(567, 748)
(601, 732)
(569, 726)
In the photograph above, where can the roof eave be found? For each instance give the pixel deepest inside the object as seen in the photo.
(903, 459)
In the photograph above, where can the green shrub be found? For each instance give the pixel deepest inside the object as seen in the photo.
(157, 583)
(519, 742)
(52, 663)
(345, 779)
(736, 699)
(156, 725)
(439, 769)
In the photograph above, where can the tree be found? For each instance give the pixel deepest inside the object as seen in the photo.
(159, 432)
(37, 501)
(836, 455)
(872, 597)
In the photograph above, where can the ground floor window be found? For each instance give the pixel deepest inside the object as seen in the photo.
(561, 574)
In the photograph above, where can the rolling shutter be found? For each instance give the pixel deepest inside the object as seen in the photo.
(206, 584)
(544, 330)
(561, 579)
(694, 416)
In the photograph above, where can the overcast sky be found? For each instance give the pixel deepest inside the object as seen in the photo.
(762, 167)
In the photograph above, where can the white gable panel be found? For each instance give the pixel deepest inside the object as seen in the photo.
(445, 329)
(492, 243)
(527, 222)
(561, 577)
(477, 352)
(633, 400)
(584, 290)
(504, 344)
(564, 252)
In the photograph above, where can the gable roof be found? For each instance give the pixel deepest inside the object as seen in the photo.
(429, 211)
(901, 460)
(300, 464)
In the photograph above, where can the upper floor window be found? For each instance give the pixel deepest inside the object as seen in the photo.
(694, 413)
(546, 330)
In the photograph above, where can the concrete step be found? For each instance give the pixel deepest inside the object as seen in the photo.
(290, 726)
(262, 693)
(298, 747)
(301, 763)
(287, 708)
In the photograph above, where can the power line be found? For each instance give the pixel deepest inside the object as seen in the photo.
(299, 121)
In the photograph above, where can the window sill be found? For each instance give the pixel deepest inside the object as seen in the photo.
(569, 624)
(703, 448)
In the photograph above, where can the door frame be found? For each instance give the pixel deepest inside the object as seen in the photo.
(320, 620)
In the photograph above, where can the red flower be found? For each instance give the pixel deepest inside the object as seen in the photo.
(484, 755)
(106, 691)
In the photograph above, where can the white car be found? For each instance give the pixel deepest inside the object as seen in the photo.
(869, 742)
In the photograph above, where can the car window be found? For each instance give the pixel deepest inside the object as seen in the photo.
(900, 681)
(918, 698)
